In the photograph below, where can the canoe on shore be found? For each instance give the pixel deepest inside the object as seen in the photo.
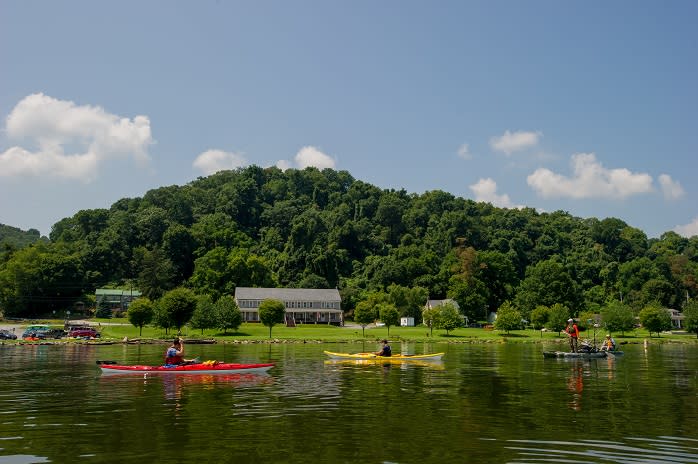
(199, 368)
(592, 355)
(395, 357)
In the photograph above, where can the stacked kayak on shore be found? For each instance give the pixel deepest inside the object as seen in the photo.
(581, 355)
(206, 367)
(395, 357)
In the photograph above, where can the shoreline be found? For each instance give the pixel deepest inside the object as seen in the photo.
(468, 341)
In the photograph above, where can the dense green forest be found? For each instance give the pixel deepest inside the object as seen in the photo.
(14, 238)
(324, 229)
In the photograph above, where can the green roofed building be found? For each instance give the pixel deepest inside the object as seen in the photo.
(115, 300)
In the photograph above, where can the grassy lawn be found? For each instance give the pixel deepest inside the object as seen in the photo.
(117, 329)
(311, 332)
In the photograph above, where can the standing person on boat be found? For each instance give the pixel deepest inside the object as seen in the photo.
(572, 331)
(175, 353)
(385, 350)
(609, 344)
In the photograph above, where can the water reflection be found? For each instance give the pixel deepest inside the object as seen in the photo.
(575, 384)
(174, 386)
(54, 402)
(437, 365)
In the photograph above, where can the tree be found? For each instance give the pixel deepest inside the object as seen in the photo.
(539, 316)
(204, 316)
(690, 314)
(388, 315)
(228, 315)
(40, 279)
(547, 283)
(557, 317)
(156, 274)
(271, 312)
(140, 312)
(161, 318)
(179, 305)
(449, 318)
(508, 318)
(430, 317)
(471, 294)
(659, 290)
(365, 314)
(617, 317)
(654, 318)
(409, 301)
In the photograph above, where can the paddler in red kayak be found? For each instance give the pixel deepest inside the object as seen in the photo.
(175, 353)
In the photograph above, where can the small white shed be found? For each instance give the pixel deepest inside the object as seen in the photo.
(407, 321)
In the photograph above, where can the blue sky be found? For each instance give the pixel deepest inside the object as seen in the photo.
(586, 107)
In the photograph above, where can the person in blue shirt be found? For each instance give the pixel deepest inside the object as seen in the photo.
(175, 353)
(385, 351)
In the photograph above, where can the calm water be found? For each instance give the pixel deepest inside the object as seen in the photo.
(483, 403)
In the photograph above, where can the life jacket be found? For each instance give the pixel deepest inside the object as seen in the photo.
(171, 358)
(387, 352)
(573, 331)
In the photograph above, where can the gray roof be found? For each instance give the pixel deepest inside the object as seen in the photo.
(435, 303)
(288, 294)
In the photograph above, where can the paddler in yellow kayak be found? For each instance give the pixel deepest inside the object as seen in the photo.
(385, 351)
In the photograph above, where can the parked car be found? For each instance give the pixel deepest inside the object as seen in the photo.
(7, 335)
(54, 333)
(80, 332)
(36, 331)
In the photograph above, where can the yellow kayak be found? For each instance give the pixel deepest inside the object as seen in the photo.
(395, 357)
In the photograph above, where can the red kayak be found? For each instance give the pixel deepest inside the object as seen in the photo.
(198, 368)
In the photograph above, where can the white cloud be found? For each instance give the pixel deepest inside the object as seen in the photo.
(486, 190)
(306, 157)
(672, 189)
(311, 156)
(514, 141)
(212, 161)
(688, 230)
(589, 180)
(53, 127)
(464, 152)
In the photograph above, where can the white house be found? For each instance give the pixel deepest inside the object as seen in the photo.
(676, 318)
(436, 303)
(303, 305)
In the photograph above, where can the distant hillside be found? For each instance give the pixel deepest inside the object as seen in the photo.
(264, 227)
(17, 238)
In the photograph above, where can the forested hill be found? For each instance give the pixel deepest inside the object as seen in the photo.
(13, 238)
(310, 228)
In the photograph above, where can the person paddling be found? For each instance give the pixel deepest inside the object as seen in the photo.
(609, 344)
(573, 332)
(385, 351)
(175, 353)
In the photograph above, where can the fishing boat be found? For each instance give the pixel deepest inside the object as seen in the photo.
(581, 355)
(206, 367)
(393, 358)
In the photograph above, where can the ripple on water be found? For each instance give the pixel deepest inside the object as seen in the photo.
(631, 450)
